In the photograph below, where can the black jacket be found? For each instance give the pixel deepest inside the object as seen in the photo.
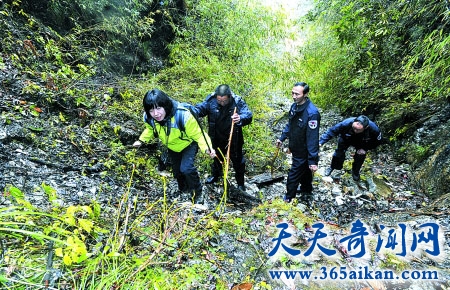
(219, 122)
(370, 138)
(303, 131)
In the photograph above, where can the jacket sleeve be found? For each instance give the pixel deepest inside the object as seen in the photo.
(244, 112)
(331, 133)
(202, 109)
(147, 134)
(194, 132)
(285, 133)
(312, 139)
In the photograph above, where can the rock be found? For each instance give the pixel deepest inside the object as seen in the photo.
(381, 188)
(336, 190)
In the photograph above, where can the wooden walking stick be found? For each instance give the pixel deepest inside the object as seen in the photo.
(229, 139)
(228, 149)
(273, 160)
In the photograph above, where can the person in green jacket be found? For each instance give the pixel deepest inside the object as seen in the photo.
(177, 129)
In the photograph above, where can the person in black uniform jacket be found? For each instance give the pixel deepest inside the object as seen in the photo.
(302, 130)
(219, 107)
(358, 132)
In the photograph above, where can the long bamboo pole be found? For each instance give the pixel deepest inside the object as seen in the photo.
(228, 149)
(229, 140)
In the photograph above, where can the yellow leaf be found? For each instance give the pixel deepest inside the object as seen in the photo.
(59, 252)
(212, 223)
(87, 209)
(67, 260)
(71, 210)
(70, 220)
(70, 242)
(86, 225)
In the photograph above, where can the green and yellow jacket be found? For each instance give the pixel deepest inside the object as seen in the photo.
(180, 130)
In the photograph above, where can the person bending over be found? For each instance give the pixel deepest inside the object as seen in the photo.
(177, 129)
(359, 132)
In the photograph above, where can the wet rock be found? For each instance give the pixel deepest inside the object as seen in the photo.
(336, 191)
(428, 152)
(129, 132)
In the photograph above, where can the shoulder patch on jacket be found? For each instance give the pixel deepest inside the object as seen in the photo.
(313, 124)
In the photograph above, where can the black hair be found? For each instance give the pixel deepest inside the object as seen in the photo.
(304, 85)
(223, 90)
(363, 120)
(157, 98)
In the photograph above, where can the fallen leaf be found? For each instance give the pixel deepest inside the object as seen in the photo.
(243, 286)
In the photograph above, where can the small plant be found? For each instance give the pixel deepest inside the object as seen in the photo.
(392, 261)
(421, 152)
(2, 64)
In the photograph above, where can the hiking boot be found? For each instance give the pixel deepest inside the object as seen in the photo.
(198, 197)
(328, 171)
(241, 188)
(356, 176)
(211, 179)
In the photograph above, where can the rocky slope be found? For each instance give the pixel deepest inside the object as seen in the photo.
(38, 149)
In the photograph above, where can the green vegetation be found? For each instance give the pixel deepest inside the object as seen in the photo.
(385, 58)
(98, 249)
(381, 58)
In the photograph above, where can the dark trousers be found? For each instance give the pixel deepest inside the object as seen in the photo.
(184, 170)
(299, 174)
(236, 157)
(338, 159)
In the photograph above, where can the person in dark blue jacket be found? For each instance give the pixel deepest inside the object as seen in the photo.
(302, 130)
(219, 107)
(359, 132)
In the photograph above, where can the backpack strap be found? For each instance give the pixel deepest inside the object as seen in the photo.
(180, 121)
(180, 118)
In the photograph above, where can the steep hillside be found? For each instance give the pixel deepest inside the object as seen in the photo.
(82, 209)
